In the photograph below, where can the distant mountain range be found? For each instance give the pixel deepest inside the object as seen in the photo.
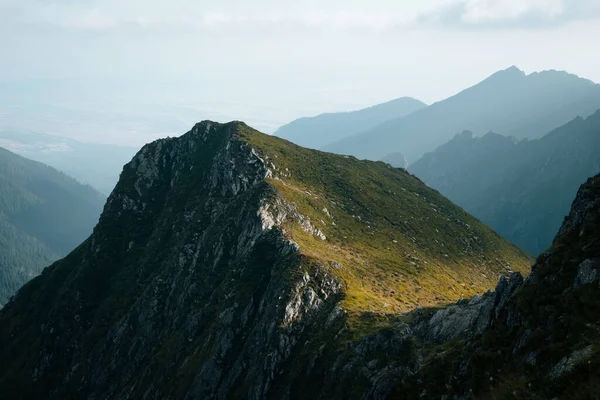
(98, 165)
(522, 189)
(316, 132)
(508, 102)
(44, 215)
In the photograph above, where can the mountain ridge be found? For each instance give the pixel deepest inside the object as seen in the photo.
(509, 102)
(77, 159)
(522, 189)
(318, 131)
(226, 258)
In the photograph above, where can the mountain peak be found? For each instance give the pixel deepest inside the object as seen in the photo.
(217, 254)
(509, 73)
(513, 69)
(206, 126)
(508, 102)
(464, 135)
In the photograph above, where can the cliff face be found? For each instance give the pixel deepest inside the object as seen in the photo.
(230, 264)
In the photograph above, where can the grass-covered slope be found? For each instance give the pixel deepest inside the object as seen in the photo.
(44, 214)
(398, 243)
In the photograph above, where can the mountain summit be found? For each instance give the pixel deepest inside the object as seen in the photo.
(229, 263)
(509, 102)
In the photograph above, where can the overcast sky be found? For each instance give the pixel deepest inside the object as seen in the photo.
(289, 58)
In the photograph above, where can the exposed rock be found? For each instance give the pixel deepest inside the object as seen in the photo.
(568, 363)
(587, 272)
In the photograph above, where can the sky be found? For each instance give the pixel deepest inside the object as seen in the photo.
(265, 61)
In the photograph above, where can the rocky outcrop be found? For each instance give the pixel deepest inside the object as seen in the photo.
(468, 317)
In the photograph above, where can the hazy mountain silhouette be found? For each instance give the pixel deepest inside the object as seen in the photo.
(98, 165)
(44, 214)
(316, 132)
(522, 189)
(508, 102)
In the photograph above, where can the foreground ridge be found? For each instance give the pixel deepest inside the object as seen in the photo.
(229, 263)
(542, 340)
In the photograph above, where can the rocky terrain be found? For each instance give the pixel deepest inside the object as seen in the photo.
(232, 264)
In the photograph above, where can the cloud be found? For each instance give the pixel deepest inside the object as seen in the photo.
(509, 14)
(93, 19)
(481, 11)
(310, 15)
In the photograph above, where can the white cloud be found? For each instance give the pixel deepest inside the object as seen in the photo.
(478, 11)
(93, 19)
(375, 15)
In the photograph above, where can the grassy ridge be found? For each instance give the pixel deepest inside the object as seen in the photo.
(395, 243)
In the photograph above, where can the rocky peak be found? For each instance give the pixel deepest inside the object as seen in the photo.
(466, 135)
(509, 75)
(229, 263)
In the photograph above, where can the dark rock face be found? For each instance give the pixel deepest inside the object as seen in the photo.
(468, 317)
(225, 289)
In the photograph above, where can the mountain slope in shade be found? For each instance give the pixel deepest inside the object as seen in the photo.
(226, 263)
(316, 132)
(522, 189)
(509, 102)
(44, 214)
(541, 337)
(98, 165)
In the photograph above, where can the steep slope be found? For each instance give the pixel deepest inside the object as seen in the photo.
(543, 340)
(43, 216)
(520, 189)
(316, 132)
(227, 261)
(509, 103)
(94, 164)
